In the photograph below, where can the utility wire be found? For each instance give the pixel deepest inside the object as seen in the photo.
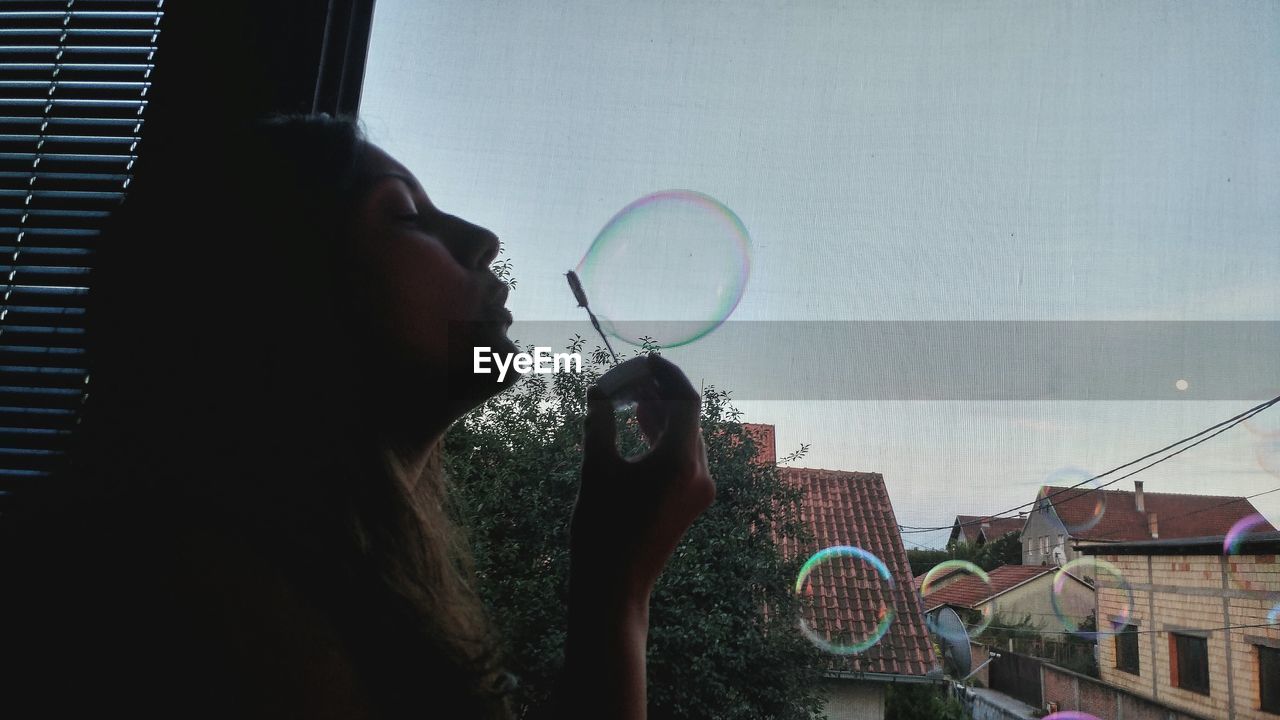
(1219, 428)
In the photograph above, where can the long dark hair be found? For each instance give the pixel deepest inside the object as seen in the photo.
(229, 385)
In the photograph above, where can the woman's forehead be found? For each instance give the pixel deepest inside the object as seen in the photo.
(378, 165)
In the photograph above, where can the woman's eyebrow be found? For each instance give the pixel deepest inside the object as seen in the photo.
(406, 179)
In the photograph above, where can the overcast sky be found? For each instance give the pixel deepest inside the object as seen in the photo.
(891, 161)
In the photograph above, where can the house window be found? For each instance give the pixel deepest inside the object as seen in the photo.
(1127, 650)
(1044, 545)
(1190, 662)
(1269, 678)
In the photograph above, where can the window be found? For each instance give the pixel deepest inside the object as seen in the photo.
(1127, 650)
(1044, 545)
(1189, 662)
(74, 81)
(1269, 678)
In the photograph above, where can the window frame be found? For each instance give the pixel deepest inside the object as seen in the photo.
(1263, 686)
(1129, 635)
(1180, 659)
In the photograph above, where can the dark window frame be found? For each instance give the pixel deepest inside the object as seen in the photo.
(1189, 663)
(273, 56)
(1269, 692)
(1127, 650)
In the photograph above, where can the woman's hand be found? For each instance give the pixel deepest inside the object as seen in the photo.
(628, 519)
(630, 514)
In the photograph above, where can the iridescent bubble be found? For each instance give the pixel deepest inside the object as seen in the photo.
(1238, 532)
(1267, 450)
(948, 572)
(1082, 508)
(1232, 543)
(670, 267)
(1273, 617)
(1070, 715)
(1105, 578)
(860, 579)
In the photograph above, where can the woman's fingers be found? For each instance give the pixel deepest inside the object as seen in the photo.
(683, 406)
(600, 432)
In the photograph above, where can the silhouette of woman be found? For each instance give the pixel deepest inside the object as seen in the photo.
(254, 522)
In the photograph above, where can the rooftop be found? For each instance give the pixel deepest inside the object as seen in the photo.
(967, 527)
(970, 591)
(853, 508)
(1257, 543)
(1176, 516)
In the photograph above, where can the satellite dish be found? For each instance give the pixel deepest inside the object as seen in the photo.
(953, 640)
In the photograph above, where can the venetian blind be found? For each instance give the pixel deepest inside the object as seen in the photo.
(74, 79)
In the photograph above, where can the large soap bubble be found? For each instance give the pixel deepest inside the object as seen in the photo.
(846, 577)
(670, 267)
(951, 571)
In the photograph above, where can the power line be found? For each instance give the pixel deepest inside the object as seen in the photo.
(1219, 428)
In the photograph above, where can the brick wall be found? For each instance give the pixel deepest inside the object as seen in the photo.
(1190, 592)
(1077, 692)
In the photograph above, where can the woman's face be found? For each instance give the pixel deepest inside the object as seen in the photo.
(424, 283)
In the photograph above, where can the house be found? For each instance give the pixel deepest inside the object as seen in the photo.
(978, 530)
(1015, 591)
(1065, 517)
(853, 509)
(1204, 626)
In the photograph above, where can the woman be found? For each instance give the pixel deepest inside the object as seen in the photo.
(255, 523)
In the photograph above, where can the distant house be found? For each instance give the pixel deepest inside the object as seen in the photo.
(1064, 517)
(853, 508)
(1016, 591)
(1205, 633)
(977, 530)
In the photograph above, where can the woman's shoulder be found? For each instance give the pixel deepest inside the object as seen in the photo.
(197, 605)
(278, 640)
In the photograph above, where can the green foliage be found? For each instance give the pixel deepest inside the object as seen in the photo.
(1001, 628)
(714, 651)
(922, 702)
(1005, 550)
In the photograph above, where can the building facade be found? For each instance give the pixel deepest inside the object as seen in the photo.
(1199, 634)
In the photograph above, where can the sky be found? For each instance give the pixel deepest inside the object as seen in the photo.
(891, 162)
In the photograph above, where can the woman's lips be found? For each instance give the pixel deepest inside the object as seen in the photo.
(500, 314)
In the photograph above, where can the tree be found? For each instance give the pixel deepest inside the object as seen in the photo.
(1004, 550)
(921, 702)
(723, 640)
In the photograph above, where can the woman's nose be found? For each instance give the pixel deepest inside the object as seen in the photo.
(474, 247)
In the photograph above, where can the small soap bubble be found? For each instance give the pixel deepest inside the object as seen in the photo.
(845, 576)
(1267, 451)
(1273, 617)
(951, 571)
(1082, 508)
(1114, 597)
(668, 268)
(1232, 546)
(1266, 424)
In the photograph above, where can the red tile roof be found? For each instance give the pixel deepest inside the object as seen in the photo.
(968, 527)
(762, 435)
(852, 508)
(1177, 516)
(970, 590)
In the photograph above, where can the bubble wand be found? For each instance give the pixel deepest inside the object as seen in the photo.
(581, 296)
